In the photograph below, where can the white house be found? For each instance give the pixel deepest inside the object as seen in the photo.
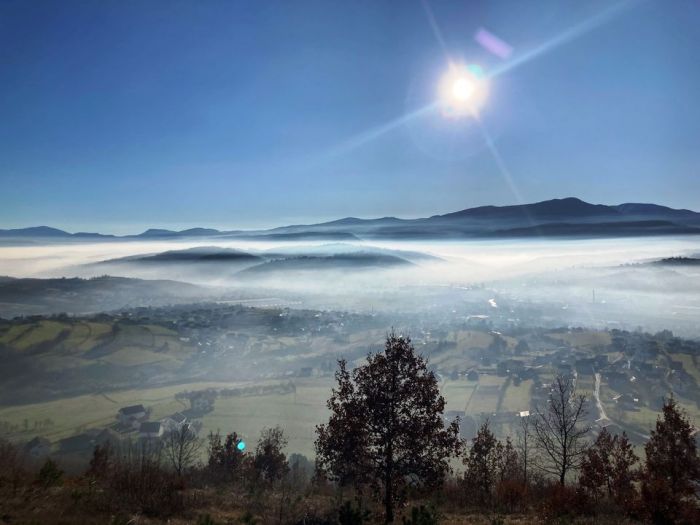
(174, 422)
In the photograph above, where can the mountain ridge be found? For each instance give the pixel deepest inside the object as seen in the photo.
(480, 221)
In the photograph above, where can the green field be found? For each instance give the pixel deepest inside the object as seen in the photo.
(584, 338)
(298, 414)
(64, 344)
(248, 415)
(457, 394)
(517, 398)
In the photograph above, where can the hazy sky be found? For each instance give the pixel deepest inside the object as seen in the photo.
(121, 115)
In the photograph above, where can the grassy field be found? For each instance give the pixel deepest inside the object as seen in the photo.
(689, 364)
(457, 394)
(71, 343)
(584, 339)
(517, 398)
(297, 413)
(486, 396)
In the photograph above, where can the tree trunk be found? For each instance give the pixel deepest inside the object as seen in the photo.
(388, 492)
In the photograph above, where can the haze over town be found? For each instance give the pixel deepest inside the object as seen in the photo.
(329, 263)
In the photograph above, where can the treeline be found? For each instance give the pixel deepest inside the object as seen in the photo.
(252, 390)
(386, 437)
(179, 475)
(386, 454)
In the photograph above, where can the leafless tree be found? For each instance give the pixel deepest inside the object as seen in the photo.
(524, 444)
(181, 447)
(559, 429)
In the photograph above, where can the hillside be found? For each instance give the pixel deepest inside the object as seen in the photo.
(75, 295)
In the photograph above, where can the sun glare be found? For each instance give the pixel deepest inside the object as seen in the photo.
(463, 91)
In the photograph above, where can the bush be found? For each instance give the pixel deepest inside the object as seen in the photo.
(49, 474)
(136, 481)
(422, 516)
(349, 514)
(560, 501)
(511, 494)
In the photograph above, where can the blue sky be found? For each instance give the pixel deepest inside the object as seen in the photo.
(121, 115)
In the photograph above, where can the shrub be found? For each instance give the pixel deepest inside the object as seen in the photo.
(422, 516)
(49, 474)
(206, 519)
(349, 514)
(560, 501)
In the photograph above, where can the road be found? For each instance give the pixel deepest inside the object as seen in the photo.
(596, 394)
(604, 417)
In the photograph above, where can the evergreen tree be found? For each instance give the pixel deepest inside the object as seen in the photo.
(672, 469)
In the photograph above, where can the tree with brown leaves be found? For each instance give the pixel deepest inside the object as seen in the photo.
(386, 427)
(607, 468)
(269, 461)
(488, 463)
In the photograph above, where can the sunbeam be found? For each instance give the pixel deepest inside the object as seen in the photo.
(436, 28)
(570, 34)
(374, 133)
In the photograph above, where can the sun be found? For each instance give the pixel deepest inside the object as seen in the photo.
(463, 91)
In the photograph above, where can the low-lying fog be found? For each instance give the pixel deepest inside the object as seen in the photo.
(597, 281)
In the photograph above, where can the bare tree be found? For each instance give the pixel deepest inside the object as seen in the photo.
(524, 444)
(559, 429)
(181, 447)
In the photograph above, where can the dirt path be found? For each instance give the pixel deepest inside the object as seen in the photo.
(596, 394)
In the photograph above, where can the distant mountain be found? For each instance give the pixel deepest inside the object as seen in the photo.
(678, 261)
(555, 217)
(213, 261)
(191, 232)
(344, 261)
(602, 229)
(198, 254)
(298, 236)
(555, 209)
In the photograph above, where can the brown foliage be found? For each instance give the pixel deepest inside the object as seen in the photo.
(133, 479)
(607, 469)
(386, 427)
(558, 501)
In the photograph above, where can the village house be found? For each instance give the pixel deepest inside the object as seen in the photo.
(174, 422)
(132, 416)
(150, 430)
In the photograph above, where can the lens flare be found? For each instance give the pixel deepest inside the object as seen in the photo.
(463, 91)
